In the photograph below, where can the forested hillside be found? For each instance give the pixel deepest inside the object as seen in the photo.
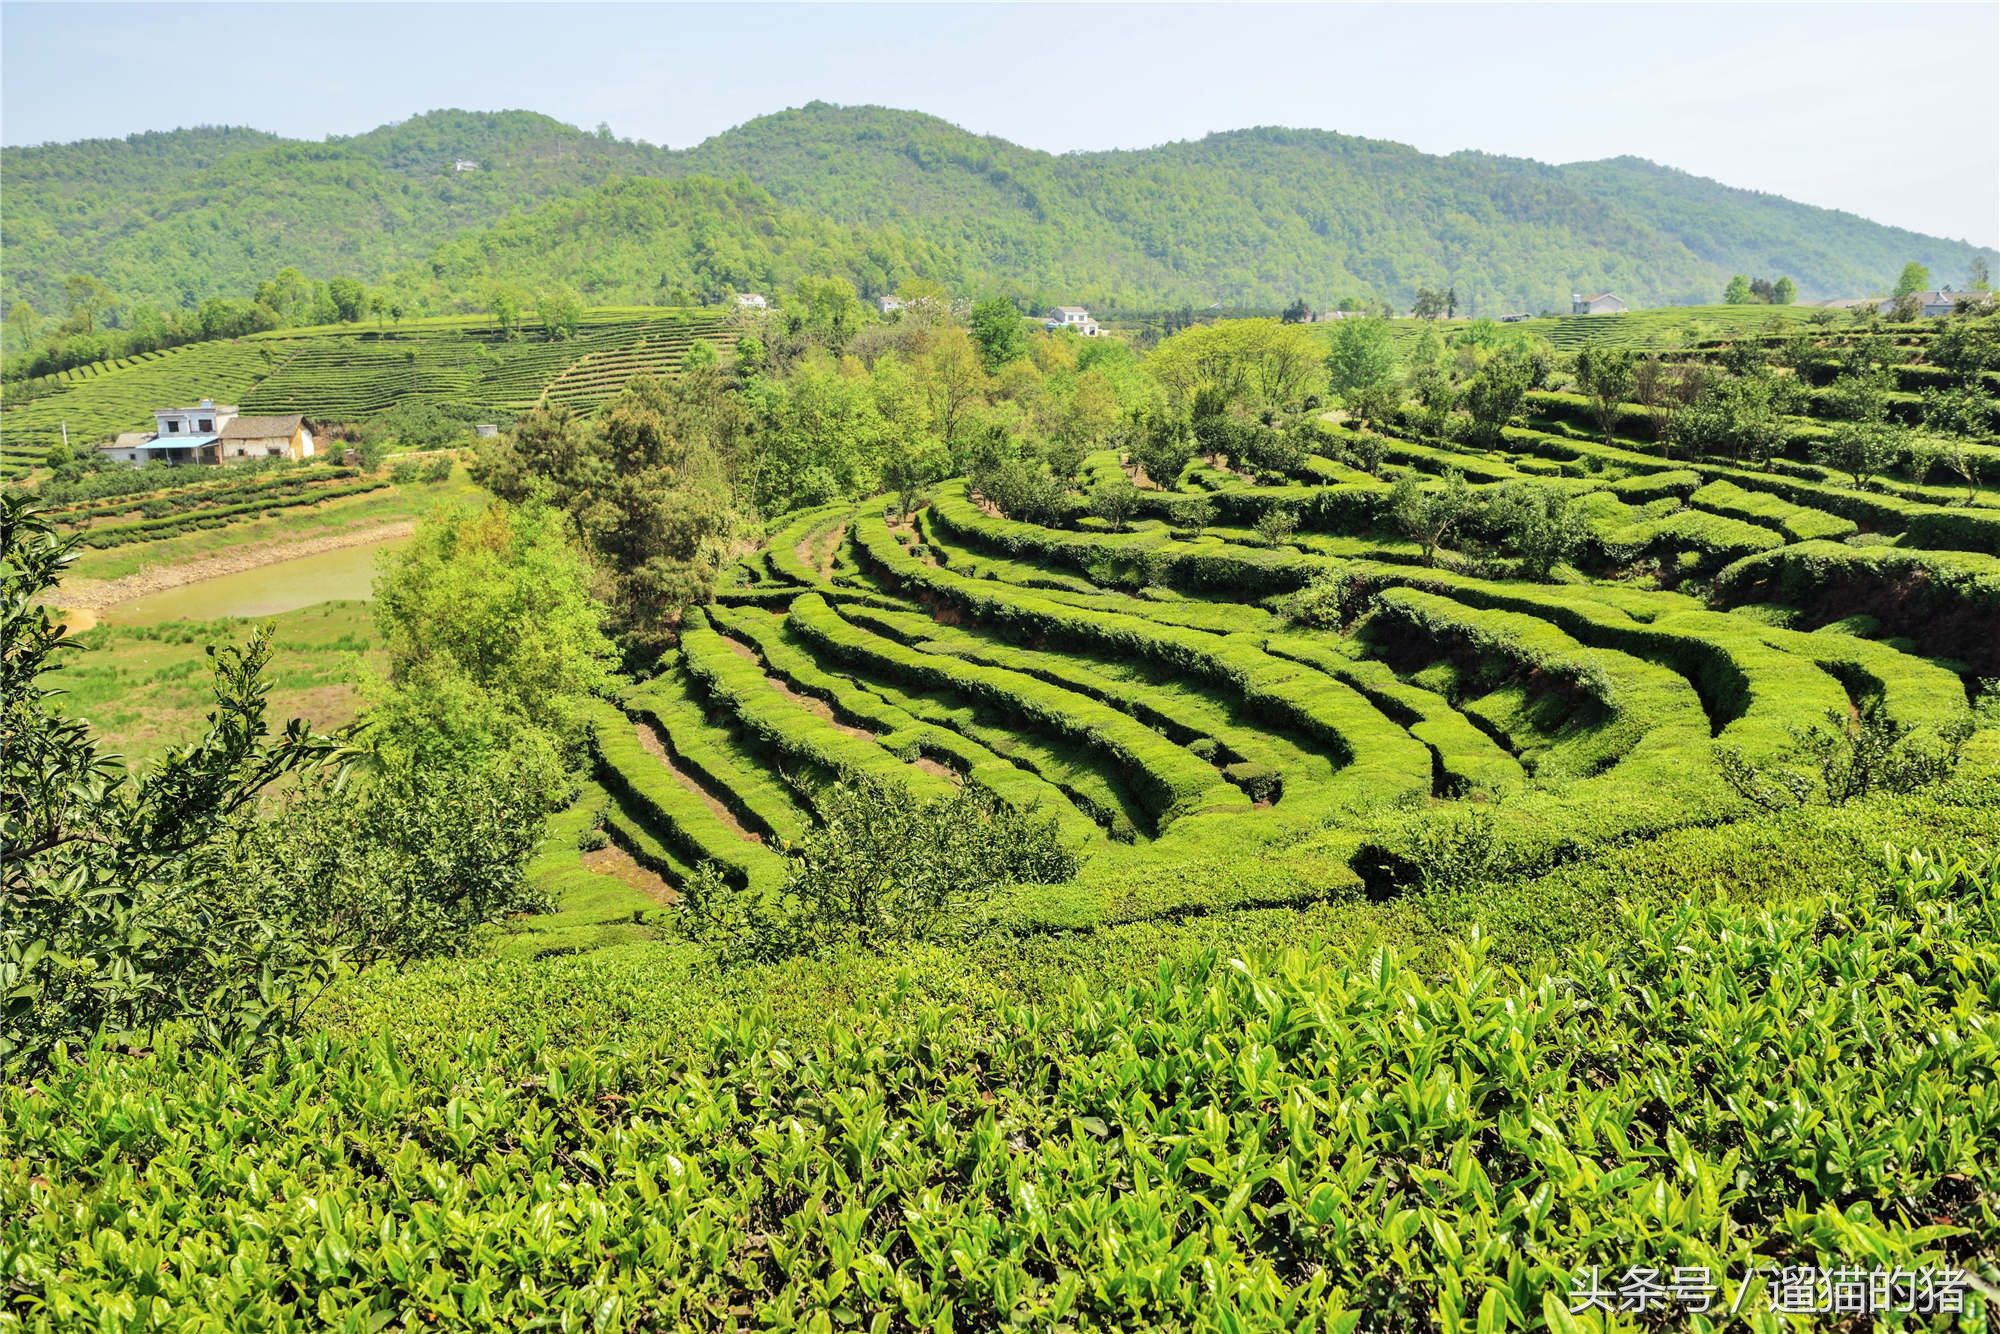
(1257, 216)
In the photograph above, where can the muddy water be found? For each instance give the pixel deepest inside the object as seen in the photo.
(348, 572)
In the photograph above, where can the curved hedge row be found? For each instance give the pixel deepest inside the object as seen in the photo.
(1170, 781)
(670, 810)
(1382, 763)
(1947, 601)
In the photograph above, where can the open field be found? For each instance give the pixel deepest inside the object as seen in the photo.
(146, 686)
(350, 372)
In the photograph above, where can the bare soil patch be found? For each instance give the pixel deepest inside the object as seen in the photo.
(617, 863)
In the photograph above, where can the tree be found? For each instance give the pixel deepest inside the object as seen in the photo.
(1427, 514)
(1162, 445)
(645, 491)
(1361, 368)
(1276, 525)
(1537, 523)
(1450, 302)
(1430, 303)
(1495, 393)
(493, 640)
(113, 919)
(826, 311)
(350, 300)
(1297, 313)
(1785, 292)
(882, 867)
(1436, 398)
(1248, 366)
(1914, 278)
(89, 302)
(1979, 277)
(1607, 375)
(561, 310)
(997, 329)
(1738, 291)
(505, 304)
(1860, 449)
(1115, 502)
(1190, 513)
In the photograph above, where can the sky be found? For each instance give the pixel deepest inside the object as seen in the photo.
(1889, 111)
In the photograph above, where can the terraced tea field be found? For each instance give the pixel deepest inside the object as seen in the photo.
(350, 372)
(1207, 751)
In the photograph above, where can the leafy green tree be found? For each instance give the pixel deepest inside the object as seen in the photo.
(1538, 524)
(1162, 445)
(350, 300)
(1275, 526)
(1785, 292)
(882, 868)
(1861, 449)
(1361, 368)
(1431, 302)
(561, 310)
(1914, 278)
(1115, 502)
(998, 329)
(1738, 291)
(1607, 375)
(1494, 395)
(114, 920)
(504, 303)
(89, 300)
(1190, 513)
(493, 639)
(1252, 367)
(1437, 399)
(826, 311)
(1957, 411)
(1428, 514)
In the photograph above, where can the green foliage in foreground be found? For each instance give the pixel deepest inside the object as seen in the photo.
(1300, 1141)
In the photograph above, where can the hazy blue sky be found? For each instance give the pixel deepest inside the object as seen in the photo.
(1891, 111)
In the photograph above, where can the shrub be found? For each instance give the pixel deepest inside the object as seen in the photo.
(884, 867)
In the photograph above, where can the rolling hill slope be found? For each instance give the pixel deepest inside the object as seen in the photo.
(1251, 216)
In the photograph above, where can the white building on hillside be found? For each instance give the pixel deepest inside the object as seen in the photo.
(752, 301)
(212, 433)
(1074, 318)
(1601, 304)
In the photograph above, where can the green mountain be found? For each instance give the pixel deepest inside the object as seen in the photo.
(1256, 216)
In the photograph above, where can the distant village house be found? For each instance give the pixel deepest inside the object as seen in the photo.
(1074, 318)
(752, 301)
(889, 305)
(212, 433)
(464, 164)
(1602, 304)
(1932, 304)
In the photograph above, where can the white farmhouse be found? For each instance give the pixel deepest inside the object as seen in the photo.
(752, 301)
(212, 433)
(1073, 318)
(1603, 303)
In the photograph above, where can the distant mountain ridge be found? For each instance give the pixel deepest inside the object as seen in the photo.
(1244, 217)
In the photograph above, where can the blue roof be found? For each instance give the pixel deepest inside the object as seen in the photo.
(176, 442)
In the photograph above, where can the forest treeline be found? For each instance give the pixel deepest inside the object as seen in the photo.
(435, 208)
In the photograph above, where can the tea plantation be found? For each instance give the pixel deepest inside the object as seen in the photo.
(349, 372)
(1440, 933)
